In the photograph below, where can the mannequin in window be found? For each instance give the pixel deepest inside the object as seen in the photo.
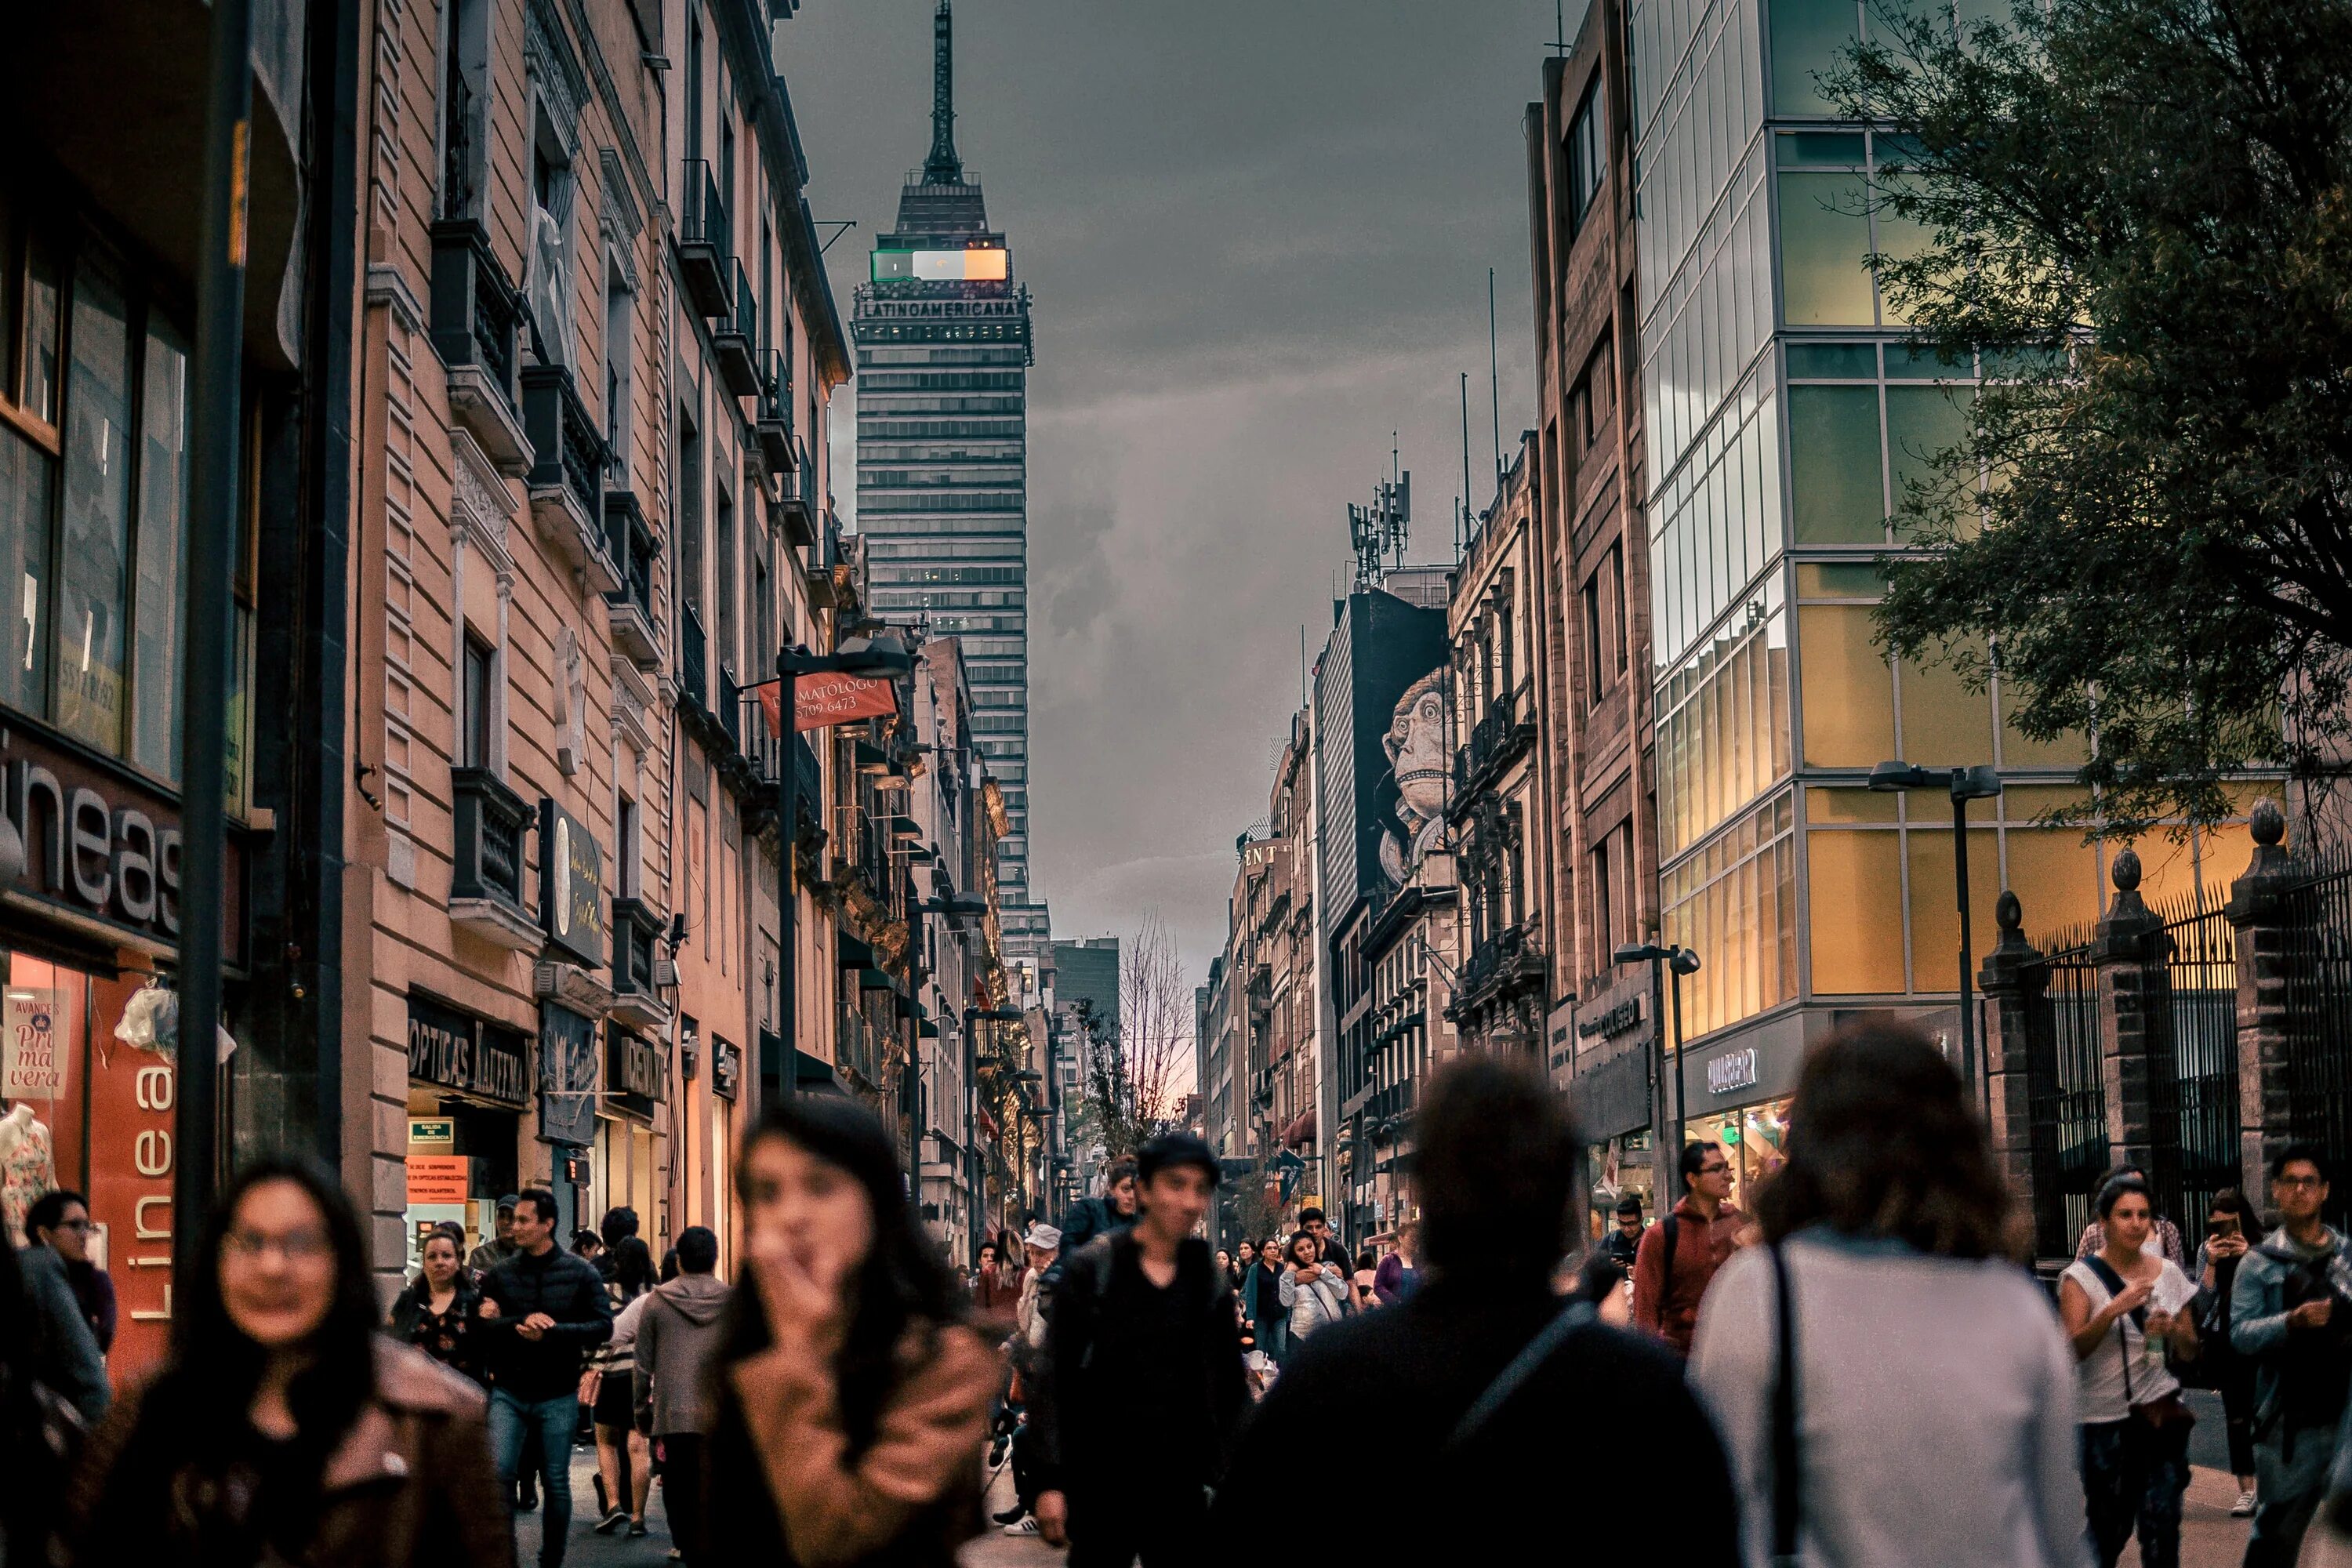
(26, 1167)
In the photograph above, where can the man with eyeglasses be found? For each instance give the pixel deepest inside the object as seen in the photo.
(2286, 1318)
(67, 1356)
(1679, 1255)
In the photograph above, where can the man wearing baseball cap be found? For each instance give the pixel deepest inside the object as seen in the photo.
(1028, 1349)
(1142, 1386)
(497, 1250)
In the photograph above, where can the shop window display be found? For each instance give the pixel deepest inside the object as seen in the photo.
(1754, 1141)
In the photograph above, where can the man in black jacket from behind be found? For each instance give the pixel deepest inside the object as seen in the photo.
(545, 1310)
(1142, 1382)
(1495, 1155)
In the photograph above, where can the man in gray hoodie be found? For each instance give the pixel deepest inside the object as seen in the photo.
(678, 1343)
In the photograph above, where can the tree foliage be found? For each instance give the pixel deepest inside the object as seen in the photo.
(1129, 1067)
(2141, 224)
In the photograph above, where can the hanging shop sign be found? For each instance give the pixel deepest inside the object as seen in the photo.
(29, 1068)
(567, 1075)
(830, 697)
(472, 1056)
(636, 1075)
(98, 847)
(571, 884)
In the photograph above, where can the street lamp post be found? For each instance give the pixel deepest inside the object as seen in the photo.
(881, 656)
(1964, 785)
(1680, 961)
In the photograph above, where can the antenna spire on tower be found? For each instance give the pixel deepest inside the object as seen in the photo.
(943, 168)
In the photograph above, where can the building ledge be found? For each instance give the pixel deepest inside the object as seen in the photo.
(477, 407)
(495, 920)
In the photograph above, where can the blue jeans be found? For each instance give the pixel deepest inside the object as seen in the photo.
(2133, 1475)
(553, 1420)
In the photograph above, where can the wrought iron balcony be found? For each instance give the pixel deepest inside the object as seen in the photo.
(629, 610)
(736, 339)
(473, 316)
(796, 502)
(824, 591)
(730, 707)
(693, 680)
(1502, 734)
(703, 248)
(486, 877)
(772, 418)
(636, 934)
(567, 474)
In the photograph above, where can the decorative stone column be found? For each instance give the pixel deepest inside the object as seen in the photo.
(2258, 911)
(2127, 949)
(2014, 981)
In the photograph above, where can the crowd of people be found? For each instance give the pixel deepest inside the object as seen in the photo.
(847, 1398)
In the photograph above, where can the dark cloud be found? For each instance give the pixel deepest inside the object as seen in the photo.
(1259, 233)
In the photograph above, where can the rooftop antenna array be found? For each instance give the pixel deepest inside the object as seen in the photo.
(1379, 531)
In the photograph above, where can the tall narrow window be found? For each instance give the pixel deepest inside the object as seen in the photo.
(620, 366)
(689, 514)
(1604, 917)
(724, 583)
(1593, 650)
(480, 676)
(1585, 165)
(1620, 634)
(629, 874)
(158, 650)
(693, 80)
(547, 267)
(93, 581)
(465, 82)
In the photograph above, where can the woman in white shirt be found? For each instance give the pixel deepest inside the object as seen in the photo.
(1314, 1292)
(1932, 1417)
(2126, 1308)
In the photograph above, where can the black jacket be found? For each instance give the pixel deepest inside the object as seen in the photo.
(1089, 1219)
(566, 1288)
(1401, 1378)
(1072, 1413)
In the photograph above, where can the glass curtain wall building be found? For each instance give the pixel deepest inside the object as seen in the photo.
(1787, 416)
(941, 330)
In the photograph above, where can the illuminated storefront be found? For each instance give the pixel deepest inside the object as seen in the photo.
(469, 1085)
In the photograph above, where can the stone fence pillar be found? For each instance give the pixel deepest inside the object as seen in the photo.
(2135, 985)
(2259, 913)
(2014, 982)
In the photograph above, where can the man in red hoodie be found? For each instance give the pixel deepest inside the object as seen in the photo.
(1681, 1253)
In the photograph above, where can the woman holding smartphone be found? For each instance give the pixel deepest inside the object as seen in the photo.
(2125, 1306)
(2231, 1227)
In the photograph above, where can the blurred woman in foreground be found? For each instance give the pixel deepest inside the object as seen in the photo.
(1933, 1392)
(853, 1398)
(284, 1428)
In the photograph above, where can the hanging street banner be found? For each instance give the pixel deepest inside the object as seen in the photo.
(827, 698)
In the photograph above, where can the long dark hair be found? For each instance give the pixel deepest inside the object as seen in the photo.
(632, 1267)
(903, 1283)
(1883, 1141)
(196, 1409)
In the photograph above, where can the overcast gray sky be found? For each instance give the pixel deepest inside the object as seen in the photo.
(1257, 232)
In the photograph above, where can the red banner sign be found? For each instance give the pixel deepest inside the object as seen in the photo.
(828, 698)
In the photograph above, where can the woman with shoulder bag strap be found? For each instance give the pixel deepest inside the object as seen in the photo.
(2126, 1309)
(1890, 1388)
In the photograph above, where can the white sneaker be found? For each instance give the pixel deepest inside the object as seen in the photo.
(2244, 1508)
(1024, 1527)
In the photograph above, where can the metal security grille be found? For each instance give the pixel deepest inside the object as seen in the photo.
(2193, 1064)
(2318, 973)
(2067, 1101)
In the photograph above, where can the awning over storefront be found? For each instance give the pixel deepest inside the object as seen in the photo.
(1300, 1131)
(815, 1074)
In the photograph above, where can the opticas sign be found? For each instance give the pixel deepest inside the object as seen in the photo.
(975, 264)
